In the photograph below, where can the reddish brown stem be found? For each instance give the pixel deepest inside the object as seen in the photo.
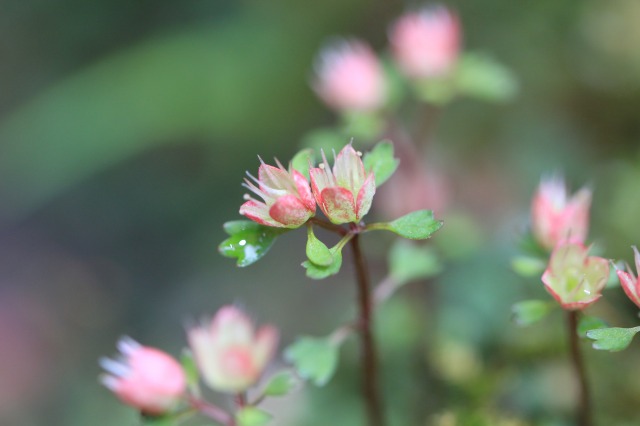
(214, 412)
(583, 410)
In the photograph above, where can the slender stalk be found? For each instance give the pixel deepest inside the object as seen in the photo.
(583, 410)
(370, 385)
(214, 412)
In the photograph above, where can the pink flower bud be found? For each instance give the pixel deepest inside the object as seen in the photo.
(144, 377)
(230, 357)
(630, 283)
(573, 278)
(349, 77)
(556, 218)
(288, 202)
(345, 193)
(426, 43)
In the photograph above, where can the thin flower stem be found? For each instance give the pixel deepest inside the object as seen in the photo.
(370, 386)
(583, 410)
(214, 412)
(328, 225)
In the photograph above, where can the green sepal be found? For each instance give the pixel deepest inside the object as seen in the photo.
(612, 339)
(418, 225)
(315, 359)
(409, 261)
(317, 252)
(319, 272)
(530, 311)
(381, 161)
(280, 384)
(252, 416)
(248, 241)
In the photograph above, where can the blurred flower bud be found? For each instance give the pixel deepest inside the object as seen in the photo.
(144, 377)
(573, 278)
(557, 219)
(288, 202)
(630, 283)
(345, 193)
(349, 77)
(426, 43)
(230, 357)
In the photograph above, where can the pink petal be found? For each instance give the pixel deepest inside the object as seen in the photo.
(637, 259)
(338, 205)
(289, 211)
(265, 345)
(365, 196)
(319, 181)
(304, 191)
(629, 285)
(274, 177)
(258, 212)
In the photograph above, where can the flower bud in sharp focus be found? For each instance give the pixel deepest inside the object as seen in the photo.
(574, 278)
(631, 283)
(288, 202)
(557, 218)
(144, 377)
(350, 78)
(426, 43)
(230, 356)
(345, 193)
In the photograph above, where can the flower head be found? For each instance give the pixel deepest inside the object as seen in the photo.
(630, 283)
(144, 377)
(345, 192)
(230, 357)
(288, 202)
(574, 278)
(426, 43)
(349, 77)
(557, 218)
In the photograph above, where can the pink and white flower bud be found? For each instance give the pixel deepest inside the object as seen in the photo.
(426, 43)
(288, 202)
(345, 192)
(144, 377)
(229, 355)
(349, 77)
(574, 278)
(630, 283)
(557, 218)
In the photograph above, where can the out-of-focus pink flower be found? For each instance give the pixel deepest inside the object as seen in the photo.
(230, 357)
(345, 193)
(557, 218)
(426, 43)
(288, 202)
(349, 77)
(144, 377)
(574, 278)
(630, 283)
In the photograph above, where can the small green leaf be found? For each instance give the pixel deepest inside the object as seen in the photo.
(530, 311)
(190, 368)
(482, 77)
(317, 252)
(438, 91)
(252, 416)
(380, 160)
(528, 266)
(315, 359)
(248, 241)
(280, 384)
(612, 339)
(408, 261)
(319, 272)
(418, 225)
(302, 160)
(590, 323)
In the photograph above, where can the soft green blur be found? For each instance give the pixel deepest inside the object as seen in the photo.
(125, 131)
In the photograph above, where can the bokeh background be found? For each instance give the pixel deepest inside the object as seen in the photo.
(125, 131)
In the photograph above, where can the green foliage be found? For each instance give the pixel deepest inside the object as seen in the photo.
(362, 126)
(380, 160)
(482, 77)
(318, 272)
(280, 384)
(190, 368)
(252, 416)
(408, 261)
(302, 160)
(530, 311)
(418, 225)
(528, 266)
(588, 323)
(248, 241)
(317, 252)
(612, 339)
(315, 359)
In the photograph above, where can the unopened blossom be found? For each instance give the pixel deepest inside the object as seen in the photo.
(426, 43)
(287, 199)
(631, 283)
(345, 192)
(144, 377)
(556, 217)
(349, 77)
(230, 356)
(574, 278)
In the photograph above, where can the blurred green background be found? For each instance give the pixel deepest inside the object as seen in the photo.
(125, 131)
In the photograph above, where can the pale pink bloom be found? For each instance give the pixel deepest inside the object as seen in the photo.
(630, 283)
(574, 278)
(144, 377)
(426, 43)
(349, 77)
(288, 202)
(345, 192)
(229, 355)
(557, 218)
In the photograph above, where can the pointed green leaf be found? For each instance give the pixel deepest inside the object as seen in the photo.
(315, 359)
(280, 384)
(482, 77)
(381, 161)
(318, 272)
(317, 252)
(530, 311)
(248, 241)
(190, 368)
(252, 416)
(418, 225)
(302, 160)
(590, 323)
(528, 266)
(408, 261)
(612, 339)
